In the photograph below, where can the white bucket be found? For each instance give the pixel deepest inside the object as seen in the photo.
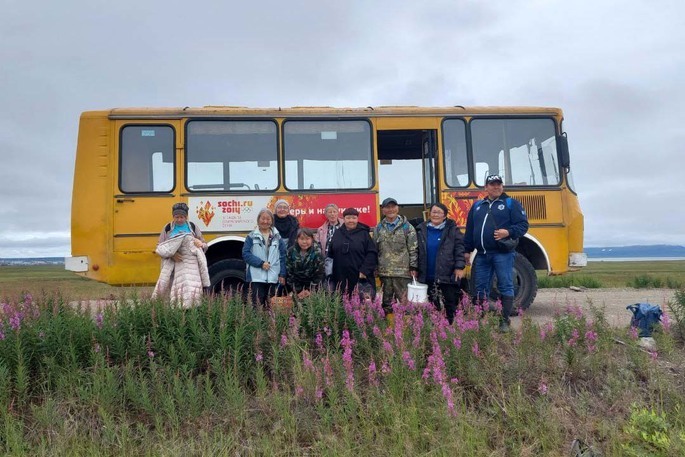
(417, 292)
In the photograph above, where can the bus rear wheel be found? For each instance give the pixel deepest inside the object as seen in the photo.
(227, 275)
(525, 283)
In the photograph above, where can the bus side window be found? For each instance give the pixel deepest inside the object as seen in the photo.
(146, 160)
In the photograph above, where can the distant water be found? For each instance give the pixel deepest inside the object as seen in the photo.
(632, 259)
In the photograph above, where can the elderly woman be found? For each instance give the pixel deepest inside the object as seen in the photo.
(304, 264)
(333, 223)
(441, 258)
(264, 253)
(285, 223)
(354, 255)
(325, 233)
(184, 266)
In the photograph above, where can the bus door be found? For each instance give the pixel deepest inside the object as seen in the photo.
(144, 187)
(407, 160)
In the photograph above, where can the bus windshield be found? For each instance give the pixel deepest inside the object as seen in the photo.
(522, 150)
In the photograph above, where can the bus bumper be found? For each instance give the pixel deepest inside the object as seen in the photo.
(577, 260)
(77, 264)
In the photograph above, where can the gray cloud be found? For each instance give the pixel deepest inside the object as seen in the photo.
(615, 69)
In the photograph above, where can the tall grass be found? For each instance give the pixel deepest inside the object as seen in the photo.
(333, 378)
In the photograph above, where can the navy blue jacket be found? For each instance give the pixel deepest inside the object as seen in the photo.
(450, 252)
(481, 226)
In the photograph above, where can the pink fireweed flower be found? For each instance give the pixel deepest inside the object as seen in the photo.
(417, 325)
(447, 393)
(454, 380)
(545, 330)
(457, 343)
(653, 355)
(542, 388)
(385, 368)
(373, 375)
(574, 338)
(387, 347)
(575, 310)
(327, 372)
(347, 344)
(284, 340)
(318, 393)
(259, 357)
(406, 356)
(15, 322)
(319, 340)
(666, 321)
(475, 349)
(591, 339)
(327, 331)
(99, 318)
(633, 333)
(307, 362)
(377, 332)
(299, 391)
(150, 354)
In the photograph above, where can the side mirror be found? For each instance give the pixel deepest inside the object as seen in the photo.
(564, 158)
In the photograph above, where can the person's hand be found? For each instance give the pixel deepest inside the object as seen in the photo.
(501, 234)
(198, 243)
(413, 273)
(266, 266)
(177, 257)
(362, 275)
(281, 280)
(467, 258)
(459, 273)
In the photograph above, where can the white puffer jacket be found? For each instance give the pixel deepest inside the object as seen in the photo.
(186, 277)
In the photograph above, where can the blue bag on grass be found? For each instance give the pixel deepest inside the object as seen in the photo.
(645, 317)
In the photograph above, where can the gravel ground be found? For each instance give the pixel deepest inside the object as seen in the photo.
(549, 301)
(613, 301)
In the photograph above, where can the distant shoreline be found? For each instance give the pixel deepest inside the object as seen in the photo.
(634, 259)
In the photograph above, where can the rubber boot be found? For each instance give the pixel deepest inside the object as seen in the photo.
(390, 317)
(507, 308)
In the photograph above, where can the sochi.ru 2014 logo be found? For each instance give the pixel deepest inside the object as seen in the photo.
(205, 212)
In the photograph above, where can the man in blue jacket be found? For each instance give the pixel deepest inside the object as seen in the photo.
(491, 224)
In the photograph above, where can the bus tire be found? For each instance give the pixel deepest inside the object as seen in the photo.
(226, 275)
(525, 283)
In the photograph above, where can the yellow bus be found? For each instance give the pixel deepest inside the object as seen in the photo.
(133, 164)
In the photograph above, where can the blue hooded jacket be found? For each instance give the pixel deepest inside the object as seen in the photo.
(481, 224)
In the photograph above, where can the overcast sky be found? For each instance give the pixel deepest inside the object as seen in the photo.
(616, 68)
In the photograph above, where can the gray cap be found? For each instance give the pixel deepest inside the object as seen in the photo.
(388, 201)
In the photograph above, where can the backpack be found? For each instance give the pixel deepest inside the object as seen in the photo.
(645, 317)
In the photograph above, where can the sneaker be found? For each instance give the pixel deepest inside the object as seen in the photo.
(504, 327)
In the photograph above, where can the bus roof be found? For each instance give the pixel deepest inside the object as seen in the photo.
(314, 111)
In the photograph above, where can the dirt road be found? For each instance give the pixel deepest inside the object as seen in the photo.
(614, 302)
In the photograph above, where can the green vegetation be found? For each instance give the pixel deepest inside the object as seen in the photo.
(334, 378)
(655, 274)
(42, 280)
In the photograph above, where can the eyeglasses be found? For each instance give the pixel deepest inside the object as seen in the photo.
(438, 213)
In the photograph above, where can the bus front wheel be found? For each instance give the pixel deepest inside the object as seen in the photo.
(525, 283)
(227, 275)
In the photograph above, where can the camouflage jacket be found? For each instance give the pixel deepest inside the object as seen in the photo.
(398, 249)
(304, 271)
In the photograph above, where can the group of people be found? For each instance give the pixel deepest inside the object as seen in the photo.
(341, 254)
